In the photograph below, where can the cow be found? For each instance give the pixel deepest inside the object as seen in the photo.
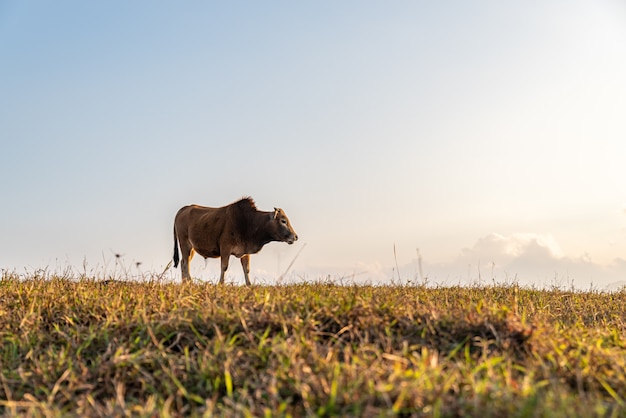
(238, 229)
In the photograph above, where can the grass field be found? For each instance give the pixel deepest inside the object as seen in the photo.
(89, 348)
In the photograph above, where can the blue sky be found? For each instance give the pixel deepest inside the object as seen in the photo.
(481, 133)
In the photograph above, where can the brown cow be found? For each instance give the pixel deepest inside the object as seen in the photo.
(237, 229)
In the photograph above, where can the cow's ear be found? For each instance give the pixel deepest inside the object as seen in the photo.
(275, 213)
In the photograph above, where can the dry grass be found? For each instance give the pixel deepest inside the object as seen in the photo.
(85, 348)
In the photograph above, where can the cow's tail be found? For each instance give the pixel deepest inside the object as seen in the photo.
(176, 257)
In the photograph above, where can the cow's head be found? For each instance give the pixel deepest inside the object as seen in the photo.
(282, 228)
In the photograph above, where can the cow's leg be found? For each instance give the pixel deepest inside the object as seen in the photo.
(225, 257)
(187, 255)
(245, 263)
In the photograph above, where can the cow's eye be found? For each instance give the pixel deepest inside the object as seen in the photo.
(283, 221)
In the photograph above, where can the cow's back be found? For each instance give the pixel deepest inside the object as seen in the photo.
(209, 231)
(203, 227)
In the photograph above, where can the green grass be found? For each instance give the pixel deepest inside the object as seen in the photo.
(85, 348)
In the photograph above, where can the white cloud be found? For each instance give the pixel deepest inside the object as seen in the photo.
(527, 258)
(514, 246)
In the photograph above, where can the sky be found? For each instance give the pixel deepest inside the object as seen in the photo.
(452, 142)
